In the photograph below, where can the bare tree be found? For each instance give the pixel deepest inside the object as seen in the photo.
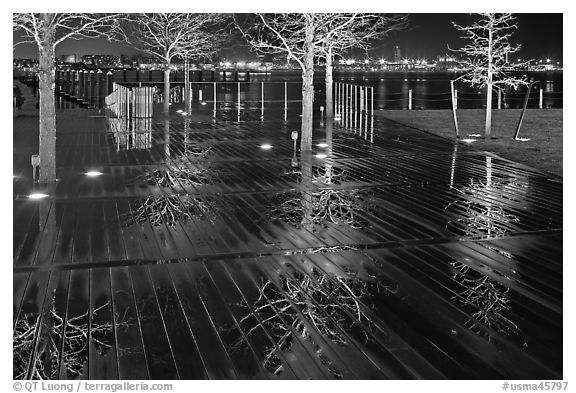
(295, 35)
(487, 55)
(47, 31)
(343, 32)
(170, 35)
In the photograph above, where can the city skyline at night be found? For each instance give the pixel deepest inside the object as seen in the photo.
(427, 36)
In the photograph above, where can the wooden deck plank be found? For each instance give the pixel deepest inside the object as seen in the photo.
(181, 339)
(308, 364)
(131, 357)
(19, 284)
(102, 349)
(256, 337)
(159, 355)
(27, 324)
(240, 349)
(74, 363)
(446, 313)
(215, 358)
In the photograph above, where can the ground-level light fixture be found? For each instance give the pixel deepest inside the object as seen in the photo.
(469, 140)
(321, 155)
(266, 146)
(323, 144)
(179, 111)
(93, 173)
(37, 195)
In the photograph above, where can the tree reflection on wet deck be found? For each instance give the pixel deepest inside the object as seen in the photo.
(384, 253)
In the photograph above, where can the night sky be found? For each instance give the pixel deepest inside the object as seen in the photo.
(427, 36)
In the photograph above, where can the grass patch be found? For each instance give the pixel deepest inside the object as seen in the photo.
(542, 126)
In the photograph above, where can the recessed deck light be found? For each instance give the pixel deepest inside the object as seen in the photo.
(37, 195)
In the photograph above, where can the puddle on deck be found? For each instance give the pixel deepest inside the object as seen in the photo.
(384, 253)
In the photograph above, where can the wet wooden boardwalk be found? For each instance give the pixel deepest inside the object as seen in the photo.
(387, 253)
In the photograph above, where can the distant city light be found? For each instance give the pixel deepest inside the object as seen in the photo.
(37, 195)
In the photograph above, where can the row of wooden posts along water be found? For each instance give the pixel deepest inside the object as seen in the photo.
(89, 87)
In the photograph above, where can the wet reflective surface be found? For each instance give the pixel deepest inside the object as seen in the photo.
(384, 253)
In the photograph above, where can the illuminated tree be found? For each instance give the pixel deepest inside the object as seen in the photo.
(170, 35)
(342, 32)
(486, 56)
(47, 31)
(294, 35)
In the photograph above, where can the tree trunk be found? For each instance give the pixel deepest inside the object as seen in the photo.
(47, 112)
(187, 97)
(488, 129)
(329, 86)
(307, 198)
(307, 87)
(167, 89)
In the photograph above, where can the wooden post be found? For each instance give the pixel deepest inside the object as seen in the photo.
(238, 97)
(109, 82)
(499, 99)
(456, 99)
(91, 90)
(541, 100)
(523, 109)
(285, 100)
(262, 104)
(372, 101)
(410, 99)
(453, 91)
(214, 87)
(99, 90)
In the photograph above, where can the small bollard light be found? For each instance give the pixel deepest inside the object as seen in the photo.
(294, 135)
(37, 195)
(35, 161)
(321, 111)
